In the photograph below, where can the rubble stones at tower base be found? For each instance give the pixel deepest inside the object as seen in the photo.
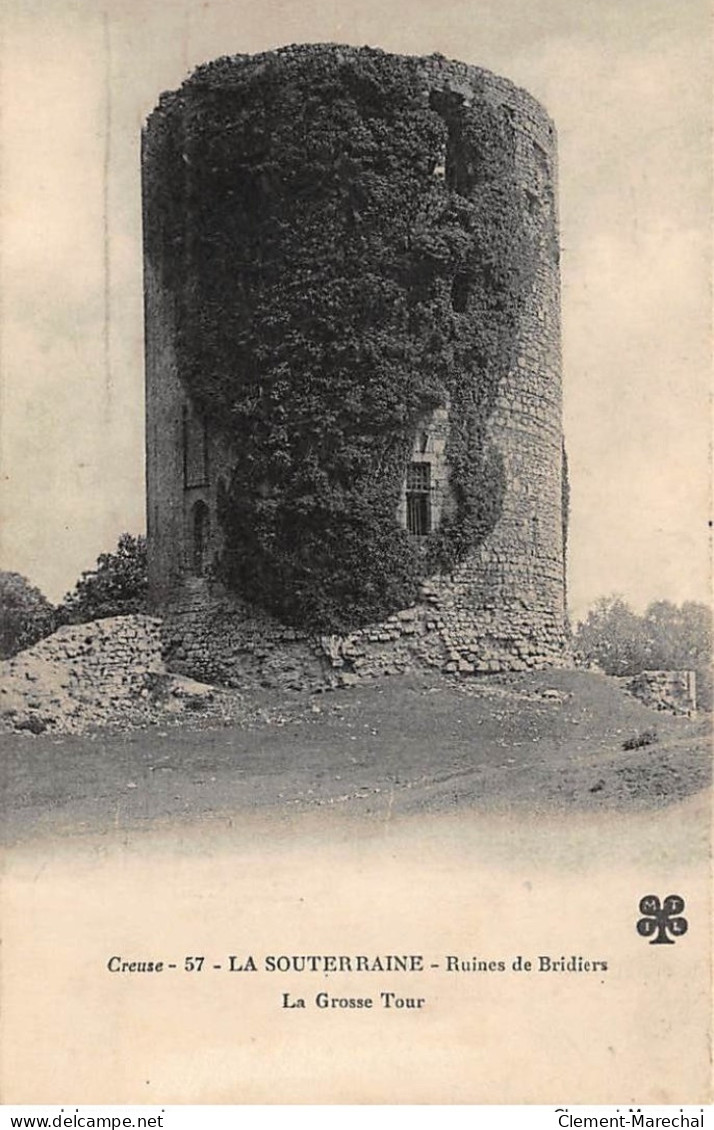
(211, 635)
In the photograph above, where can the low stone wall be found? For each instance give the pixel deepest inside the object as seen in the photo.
(212, 635)
(666, 690)
(84, 675)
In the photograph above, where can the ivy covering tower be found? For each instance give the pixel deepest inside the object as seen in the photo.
(353, 346)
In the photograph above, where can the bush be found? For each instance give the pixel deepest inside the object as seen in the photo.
(26, 615)
(649, 737)
(117, 586)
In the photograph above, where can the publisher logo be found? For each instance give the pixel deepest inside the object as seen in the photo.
(662, 919)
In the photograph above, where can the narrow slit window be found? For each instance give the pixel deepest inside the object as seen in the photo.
(200, 539)
(195, 451)
(460, 292)
(419, 498)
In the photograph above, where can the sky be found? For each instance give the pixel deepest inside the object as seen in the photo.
(628, 85)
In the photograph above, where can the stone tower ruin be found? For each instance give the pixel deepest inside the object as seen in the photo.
(355, 456)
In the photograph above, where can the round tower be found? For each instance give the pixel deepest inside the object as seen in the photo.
(353, 352)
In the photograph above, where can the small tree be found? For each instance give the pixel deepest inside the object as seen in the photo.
(117, 586)
(26, 614)
(613, 637)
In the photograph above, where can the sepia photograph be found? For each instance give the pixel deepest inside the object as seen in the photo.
(355, 574)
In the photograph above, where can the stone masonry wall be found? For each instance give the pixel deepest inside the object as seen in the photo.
(100, 673)
(674, 691)
(81, 670)
(213, 636)
(506, 604)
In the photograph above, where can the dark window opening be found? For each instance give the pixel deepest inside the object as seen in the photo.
(222, 501)
(532, 202)
(460, 292)
(460, 171)
(460, 174)
(419, 498)
(200, 532)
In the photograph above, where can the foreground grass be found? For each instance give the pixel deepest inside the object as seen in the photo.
(415, 743)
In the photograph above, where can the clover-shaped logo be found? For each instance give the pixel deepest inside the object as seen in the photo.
(662, 919)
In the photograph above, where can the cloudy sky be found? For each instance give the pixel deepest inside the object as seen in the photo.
(627, 82)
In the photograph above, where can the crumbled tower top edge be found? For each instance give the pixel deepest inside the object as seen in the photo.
(223, 71)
